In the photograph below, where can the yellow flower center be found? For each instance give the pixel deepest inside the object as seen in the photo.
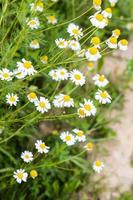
(20, 175)
(98, 163)
(33, 173)
(42, 146)
(44, 58)
(81, 112)
(93, 50)
(42, 105)
(90, 145)
(6, 75)
(62, 73)
(75, 31)
(68, 137)
(12, 99)
(32, 22)
(39, 4)
(97, 2)
(27, 64)
(80, 133)
(113, 40)
(67, 98)
(27, 156)
(104, 95)
(90, 64)
(117, 32)
(95, 40)
(32, 95)
(99, 17)
(52, 18)
(124, 42)
(101, 78)
(61, 43)
(34, 42)
(108, 10)
(87, 107)
(77, 76)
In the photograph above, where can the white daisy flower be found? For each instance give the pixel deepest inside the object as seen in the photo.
(75, 31)
(77, 77)
(52, 20)
(44, 59)
(98, 20)
(62, 74)
(33, 23)
(112, 42)
(92, 54)
(26, 67)
(20, 175)
(41, 147)
(103, 97)
(123, 44)
(116, 33)
(97, 4)
(32, 97)
(12, 99)
(61, 43)
(27, 156)
(5, 74)
(89, 146)
(80, 137)
(38, 6)
(68, 138)
(34, 44)
(90, 65)
(95, 41)
(42, 105)
(63, 100)
(74, 45)
(98, 166)
(53, 74)
(113, 2)
(19, 74)
(107, 13)
(81, 112)
(88, 107)
(100, 80)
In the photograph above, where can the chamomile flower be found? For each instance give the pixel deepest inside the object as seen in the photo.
(5, 74)
(52, 20)
(77, 77)
(32, 97)
(34, 44)
(33, 173)
(107, 13)
(41, 147)
(95, 41)
(19, 74)
(97, 4)
(89, 146)
(20, 175)
(98, 166)
(98, 20)
(90, 65)
(113, 2)
(103, 97)
(53, 74)
(92, 54)
(44, 59)
(116, 33)
(88, 107)
(81, 112)
(63, 100)
(42, 105)
(33, 23)
(100, 80)
(12, 99)
(123, 44)
(68, 138)
(27, 156)
(61, 43)
(62, 74)
(38, 6)
(75, 31)
(74, 45)
(112, 42)
(80, 137)
(26, 67)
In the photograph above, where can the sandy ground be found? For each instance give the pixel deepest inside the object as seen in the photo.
(118, 170)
